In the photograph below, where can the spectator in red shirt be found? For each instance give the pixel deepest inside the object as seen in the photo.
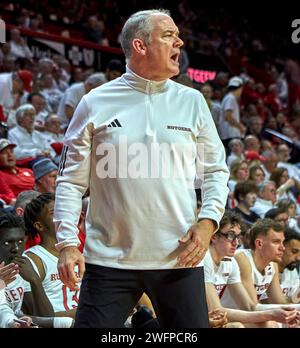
(17, 179)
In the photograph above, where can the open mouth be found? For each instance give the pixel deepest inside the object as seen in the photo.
(175, 58)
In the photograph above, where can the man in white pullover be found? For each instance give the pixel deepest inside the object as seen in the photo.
(142, 234)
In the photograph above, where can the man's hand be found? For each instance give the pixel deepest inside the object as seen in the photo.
(195, 243)
(26, 269)
(9, 272)
(286, 315)
(217, 318)
(69, 257)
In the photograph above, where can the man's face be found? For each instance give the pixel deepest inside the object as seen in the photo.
(269, 193)
(227, 240)
(271, 245)
(46, 218)
(27, 120)
(162, 53)
(207, 91)
(7, 158)
(53, 124)
(250, 199)
(112, 74)
(38, 103)
(47, 182)
(283, 219)
(291, 255)
(11, 244)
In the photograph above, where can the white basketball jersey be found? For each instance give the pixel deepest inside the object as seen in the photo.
(227, 272)
(261, 281)
(14, 293)
(289, 282)
(60, 296)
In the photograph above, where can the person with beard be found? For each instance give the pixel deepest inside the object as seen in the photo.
(288, 275)
(222, 280)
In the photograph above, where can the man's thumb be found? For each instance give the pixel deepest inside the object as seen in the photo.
(185, 238)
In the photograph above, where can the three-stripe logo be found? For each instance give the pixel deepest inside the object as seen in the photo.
(115, 123)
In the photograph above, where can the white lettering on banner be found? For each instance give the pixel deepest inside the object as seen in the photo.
(75, 55)
(88, 57)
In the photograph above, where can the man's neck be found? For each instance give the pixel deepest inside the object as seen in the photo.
(215, 255)
(244, 209)
(260, 262)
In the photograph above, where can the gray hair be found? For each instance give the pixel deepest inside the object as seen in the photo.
(96, 79)
(25, 197)
(21, 111)
(138, 26)
(262, 186)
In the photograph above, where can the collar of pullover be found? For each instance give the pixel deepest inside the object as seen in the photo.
(143, 85)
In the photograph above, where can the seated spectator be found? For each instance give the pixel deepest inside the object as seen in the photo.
(16, 178)
(38, 101)
(285, 186)
(255, 126)
(279, 215)
(19, 48)
(73, 95)
(52, 132)
(284, 155)
(266, 198)
(115, 68)
(236, 148)
(45, 172)
(290, 207)
(30, 143)
(256, 173)
(95, 31)
(239, 172)
(252, 143)
(270, 163)
(50, 91)
(245, 194)
(11, 87)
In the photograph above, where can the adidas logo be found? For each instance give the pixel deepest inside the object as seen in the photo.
(115, 123)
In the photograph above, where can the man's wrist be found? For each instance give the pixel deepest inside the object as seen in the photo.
(212, 225)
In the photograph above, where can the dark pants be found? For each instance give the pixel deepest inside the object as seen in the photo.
(108, 295)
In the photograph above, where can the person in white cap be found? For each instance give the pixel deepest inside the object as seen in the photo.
(230, 125)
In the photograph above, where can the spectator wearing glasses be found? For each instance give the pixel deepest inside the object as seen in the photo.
(223, 281)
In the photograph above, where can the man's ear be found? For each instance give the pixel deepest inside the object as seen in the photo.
(258, 243)
(38, 226)
(139, 46)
